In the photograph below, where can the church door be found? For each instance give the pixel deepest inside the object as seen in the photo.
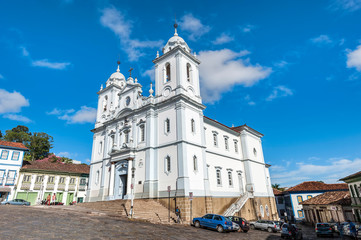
(122, 186)
(240, 182)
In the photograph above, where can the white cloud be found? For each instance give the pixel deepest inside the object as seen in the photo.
(279, 91)
(17, 117)
(149, 73)
(322, 39)
(221, 70)
(281, 64)
(223, 38)
(314, 158)
(116, 21)
(84, 115)
(346, 5)
(247, 28)
(247, 98)
(47, 64)
(354, 58)
(194, 26)
(12, 102)
(24, 51)
(331, 171)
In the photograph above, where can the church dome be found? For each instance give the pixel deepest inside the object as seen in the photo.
(116, 78)
(176, 41)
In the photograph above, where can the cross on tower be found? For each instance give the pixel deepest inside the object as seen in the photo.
(130, 72)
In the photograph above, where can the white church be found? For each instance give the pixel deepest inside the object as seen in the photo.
(146, 146)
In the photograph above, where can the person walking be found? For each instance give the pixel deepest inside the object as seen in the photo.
(48, 199)
(340, 229)
(352, 229)
(53, 198)
(178, 214)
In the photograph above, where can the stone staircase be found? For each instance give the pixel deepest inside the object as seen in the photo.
(144, 209)
(238, 204)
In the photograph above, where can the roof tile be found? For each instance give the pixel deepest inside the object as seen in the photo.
(336, 197)
(12, 144)
(317, 186)
(56, 166)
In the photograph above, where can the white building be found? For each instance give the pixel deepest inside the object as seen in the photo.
(163, 141)
(11, 160)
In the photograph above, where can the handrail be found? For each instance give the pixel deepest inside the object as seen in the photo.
(236, 206)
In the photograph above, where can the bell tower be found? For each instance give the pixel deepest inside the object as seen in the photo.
(176, 71)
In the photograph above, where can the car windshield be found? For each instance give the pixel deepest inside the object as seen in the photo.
(228, 219)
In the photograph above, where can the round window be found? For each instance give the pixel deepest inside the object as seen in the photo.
(127, 101)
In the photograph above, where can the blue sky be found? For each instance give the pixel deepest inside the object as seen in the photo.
(289, 69)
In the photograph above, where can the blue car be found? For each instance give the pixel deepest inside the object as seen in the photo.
(16, 202)
(213, 221)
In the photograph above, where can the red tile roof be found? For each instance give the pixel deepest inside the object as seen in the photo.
(336, 197)
(351, 176)
(317, 186)
(56, 167)
(277, 192)
(13, 145)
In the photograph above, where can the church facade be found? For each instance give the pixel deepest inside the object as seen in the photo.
(162, 145)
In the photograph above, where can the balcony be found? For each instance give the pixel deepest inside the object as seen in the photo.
(71, 187)
(25, 186)
(82, 187)
(61, 187)
(356, 201)
(37, 186)
(50, 186)
(10, 182)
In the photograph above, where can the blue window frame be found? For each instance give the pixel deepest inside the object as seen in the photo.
(2, 176)
(299, 198)
(15, 156)
(4, 154)
(309, 196)
(10, 179)
(300, 213)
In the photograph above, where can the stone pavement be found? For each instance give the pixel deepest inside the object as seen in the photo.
(73, 222)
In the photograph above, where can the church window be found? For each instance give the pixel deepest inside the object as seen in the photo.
(167, 72)
(167, 125)
(100, 147)
(193, 126)
(112, 142)
(215, 142)
(142, 136)
(97, 178)
(236, 146)
(261, 210)
(126, 137)
(226, 143)
(105, 103)
(195, 164)
(219, 177)
(230, 180)
(255, 152)
(188, 72)
(167, 164)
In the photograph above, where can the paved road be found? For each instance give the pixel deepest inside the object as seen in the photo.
(61, 222)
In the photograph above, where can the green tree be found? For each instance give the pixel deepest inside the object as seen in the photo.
(18, 134)
(40, 144)
(276, 186)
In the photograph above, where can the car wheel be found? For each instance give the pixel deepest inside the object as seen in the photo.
(253, 227)
(197, 224)
(220, 228)
(269, 230)
(7, 203)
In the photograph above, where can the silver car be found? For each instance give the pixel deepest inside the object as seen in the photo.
(270, 226)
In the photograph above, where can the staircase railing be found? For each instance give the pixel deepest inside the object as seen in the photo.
(236, 206)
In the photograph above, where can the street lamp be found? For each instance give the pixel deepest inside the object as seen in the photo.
(132, 193)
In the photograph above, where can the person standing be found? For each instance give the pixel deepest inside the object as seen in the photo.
(340, 229)
(177, 213)
(54, 198)
(352, 229)
(48, 199)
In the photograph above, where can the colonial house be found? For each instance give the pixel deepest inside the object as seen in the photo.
(40, 178)
(11, 160)
(280, 202)
(354, 184)
(332, 206)
(152, 146)
(306, 190)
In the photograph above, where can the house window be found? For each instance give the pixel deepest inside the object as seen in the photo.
(280, 200)
(61, 180)
(226, 143)
(142, 136)
(236, 146)
(27, 178)
(309, 196)
(2, 176)
(352, 193)
(195, 164)
(83, 181)
(167, 164)
(193, 127)
(167, 74)
(10, 180)
(299, 199)
(72, 181)
(215, 142)
(188, 72)
(15, 156)
(39, 179)
(230, 180)
(300, 213)
(4, 154)
(167, 125)
(51, 180)
(219, 177)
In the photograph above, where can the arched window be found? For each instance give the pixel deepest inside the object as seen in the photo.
(167, 72)
(167, 125)
(195, 164)
(226, 143)
(236, 146)
(219, 178)
(167, 165)
(193, 126)
(100, 147)
(230, 180)
(105, 102)
(215, 142)
(97, 178)
(126, 137)
(188, 72)
(142, 135)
